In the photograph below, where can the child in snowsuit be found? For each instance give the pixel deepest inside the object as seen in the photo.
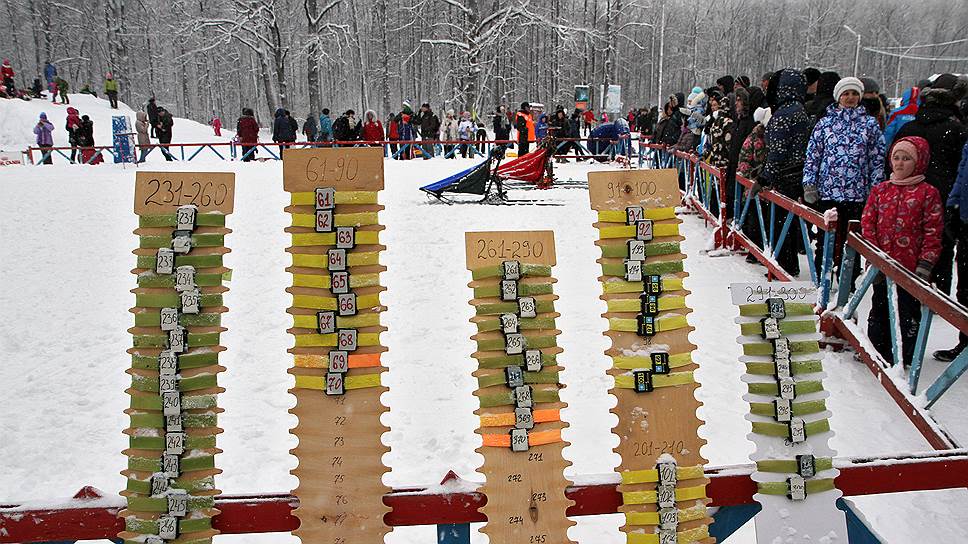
(904, 217)
(45, 140)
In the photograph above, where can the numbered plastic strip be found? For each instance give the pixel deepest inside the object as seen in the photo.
(337, 351)
(788, 412)
(652, 363)
(518, 377)
(173, 412)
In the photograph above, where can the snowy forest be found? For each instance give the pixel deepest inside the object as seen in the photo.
(204, 56)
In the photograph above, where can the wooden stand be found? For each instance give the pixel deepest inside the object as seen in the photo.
(174, 456)
(340, 450)
(525, 489)
(657, 426)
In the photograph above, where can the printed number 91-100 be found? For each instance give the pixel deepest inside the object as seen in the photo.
(163, 192)
(504, 249)
(631, 188)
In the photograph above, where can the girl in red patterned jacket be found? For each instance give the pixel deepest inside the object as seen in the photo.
(904, 217)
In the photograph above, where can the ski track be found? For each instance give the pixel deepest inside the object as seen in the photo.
(68, 291)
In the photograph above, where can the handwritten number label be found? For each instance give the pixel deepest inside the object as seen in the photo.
(644, 230)
(505, 249)
(325, 198)
(509, 323)
(631, 189)
(519, 440)
(167, 362)
(179, 193)
(345, 237)
(337, 260)
(168, 527)
(329, 170)
(170, 463)
(527, 307)
(532, 360)
(326, 322)
(509, 289)
(339, 361)
(324, 221)
(169, 318)
(184, 278)
(339, 283)
(636, 250)
(175, 443)
(334, 384)
(347, 339)
(185, 217)
(514, 344)
(171, 403)
(165, 261)
(633, 270)
(178, 502)
(190, 301)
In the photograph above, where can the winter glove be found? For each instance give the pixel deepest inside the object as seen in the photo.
(830, 216)
(923, 270)
(755, 189)
(810, 194)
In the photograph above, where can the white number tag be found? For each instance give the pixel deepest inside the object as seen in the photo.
(345, 237)
(165, 261)
(324, 221)
(668, 518)
(527, 307)
(346, 303)
(177, 502)
(169, 318)
(798, 488)
(532, 360)
(783, 410)
(339, 361)
(522, 397)
(633, 270)
(514, 344)
(667, 474)
(509, 289)
(168, 527)
(325, 198)
(178, 339)
(169, 464)
(175, 443)
(191, 301)
(519, 440)
(346, 339)
(777, 307)
(668, 536)
(184, 278)
(634, 214)
(666, 496)
(806, 466)
(788, 388)
(636, 250)
(337, 260)
(159, 484)
(167, 383)
(523, 418)
(334, 384)
(781, 348)
(152, 539)
(644, 230)
(783, 368)
(339, 283)
(771, 328)
(181, 243)
(173, 424)
(185, 217)
(798, 430)
(171, 403)
(326, 322)
(514, 376)
(510, 323)
(512, 270)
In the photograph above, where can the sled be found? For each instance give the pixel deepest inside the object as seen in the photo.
(476, 180)
(535, 167)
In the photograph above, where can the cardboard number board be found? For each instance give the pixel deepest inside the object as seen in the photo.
(174, 391)
(518, 384)
(337, 353)
(663, 482)
(788, 413)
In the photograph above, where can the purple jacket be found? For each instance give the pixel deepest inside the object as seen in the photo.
(43, 130)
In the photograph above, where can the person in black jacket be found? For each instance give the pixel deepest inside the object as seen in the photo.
(502, 125)
(786, 140)
(163, 130)
(283, 132)
(152, 110)
(347, 128)
(744, 104)
(429, 124)
(937, 121)
(522, 122)
(669, 128)
(824, 97)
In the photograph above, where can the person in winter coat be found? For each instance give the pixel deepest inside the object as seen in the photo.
(824, 96)
(588, 120)
(111, 89)
(72, 125)
(216, 124)
(429, 125)
(845, 158)
(957, 207)
(50, 72)
(742, 108)
(501, 124)
(163, 130)
(393, 133)
(372, 128)
(904, 217)
(541, 127)
(465, 133)
(937, 122)
(786, 143)
(6, 76)
(347, 128)
(293, 125)
(62, 88)
(406, 135)
(37, 89)
(141, 130)
(719, 132)
(247, 131)
(448, 133)
(480, 135)
(282, 131)
(668, 130)
(902, 115)
(152, 109)
(45, 140)
(871, 101)
(694, 115)
(524, 124)
(752, 155)
(309, 129)
(85, 138)
(325, 126)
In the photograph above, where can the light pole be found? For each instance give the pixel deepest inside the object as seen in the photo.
(897, 77)
(857, 50)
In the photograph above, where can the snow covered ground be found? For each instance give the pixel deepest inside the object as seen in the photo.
(65, 257)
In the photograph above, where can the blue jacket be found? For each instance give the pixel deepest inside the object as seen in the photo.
(845, 155)
(959, 193)
(786, 136)
(901, 116)
(325, 128)
(50, 72)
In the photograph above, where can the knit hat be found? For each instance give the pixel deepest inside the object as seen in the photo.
(944, 81)
(812, 75)
(43, 115)
(870, 86)
(762, 116)
(848, 84)
(917, 147)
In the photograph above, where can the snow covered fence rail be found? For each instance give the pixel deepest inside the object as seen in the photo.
(902, 386)
(90, 515)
